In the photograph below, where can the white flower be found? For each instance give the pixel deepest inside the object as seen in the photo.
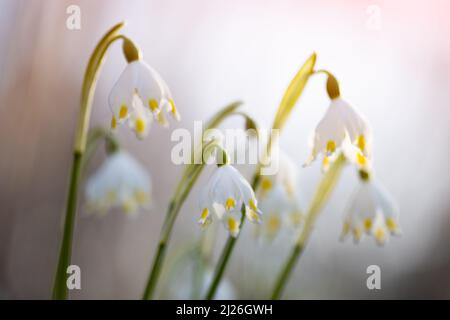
(225, 194)
(342, 129)
(286, 175)
(372, 211)
(120, 182)
(278, 198)
(280, 210)
(138, 95)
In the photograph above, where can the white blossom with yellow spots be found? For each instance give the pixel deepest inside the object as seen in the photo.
(225, 194)
(279, 199)
(342, 128)
(281, 212)
(121, 181)
(139, 95)
(372, 211)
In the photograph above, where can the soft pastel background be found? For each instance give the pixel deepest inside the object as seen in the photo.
(395, 69)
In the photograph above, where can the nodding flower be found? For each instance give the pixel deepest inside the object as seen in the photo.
(139, 95)
(372, 211)
(228, 195)
(342, 128)
(278, 198)
(120, 181)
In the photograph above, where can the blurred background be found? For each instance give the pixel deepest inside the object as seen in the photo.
(393, 63)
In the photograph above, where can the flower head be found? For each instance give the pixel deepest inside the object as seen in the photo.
(138, 95)
(342, 129)
(278, 198)
(226, 194)
(372, 211)
(120, 182)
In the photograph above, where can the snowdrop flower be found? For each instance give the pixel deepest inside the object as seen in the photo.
(120, 182)
(372, 211)
(280, 210)
(138, 95)
(225, 194)
(342, 129)
(279, 198)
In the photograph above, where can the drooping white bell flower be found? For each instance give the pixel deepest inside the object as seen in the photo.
(281, 211)
(342, 128)
(286, 175)
(120, 181)
(138, 95)
(372, 211)
(278, 198)
(225, 194)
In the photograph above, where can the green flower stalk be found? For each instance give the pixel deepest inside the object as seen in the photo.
(88, 89)
(321, 196)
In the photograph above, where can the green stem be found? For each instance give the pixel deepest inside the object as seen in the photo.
(156, 270)
(221, 267)
(89, 83)
(321, 196)
(60, 287)
(286, 272)
(169, 222)
(223, 261)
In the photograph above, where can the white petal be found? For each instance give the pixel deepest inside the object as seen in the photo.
(150, 89)
(225, 187)
(122, 92)
(232, 222)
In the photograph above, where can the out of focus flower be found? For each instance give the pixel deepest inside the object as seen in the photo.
(372, 211)
(226, 194)
(183, 289)
(138, 95)
(120, 181)
(278, 199)
(342, 129)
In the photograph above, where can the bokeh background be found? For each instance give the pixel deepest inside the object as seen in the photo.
(393, 62)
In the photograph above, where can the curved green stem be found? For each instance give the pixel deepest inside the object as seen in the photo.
(321, 196)
(89, 83)
(95, 135)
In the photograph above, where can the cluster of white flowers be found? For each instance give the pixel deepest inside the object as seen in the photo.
(372, 210)
(141, 94)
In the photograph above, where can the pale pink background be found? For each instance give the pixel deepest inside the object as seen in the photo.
(211, 53)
